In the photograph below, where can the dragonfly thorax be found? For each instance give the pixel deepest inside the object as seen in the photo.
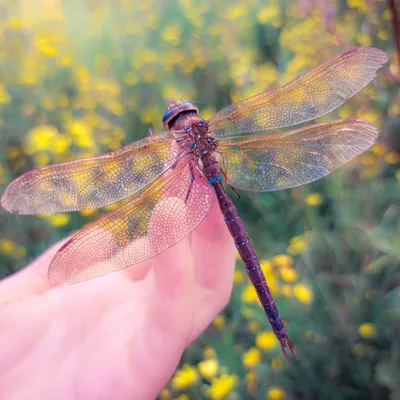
(202, 143)
(184, 117)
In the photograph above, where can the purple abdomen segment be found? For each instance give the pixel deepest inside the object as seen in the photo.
(249, 257)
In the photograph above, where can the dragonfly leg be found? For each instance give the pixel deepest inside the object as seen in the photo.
(150, 131)
(237, 194)
(191, 182)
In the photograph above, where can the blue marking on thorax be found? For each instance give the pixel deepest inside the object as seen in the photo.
(213, 180)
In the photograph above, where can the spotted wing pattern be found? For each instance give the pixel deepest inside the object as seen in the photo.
(96, 181)
(169, 209)
(308, 97)
(265, 163)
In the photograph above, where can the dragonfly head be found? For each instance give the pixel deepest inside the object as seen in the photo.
(177, 110)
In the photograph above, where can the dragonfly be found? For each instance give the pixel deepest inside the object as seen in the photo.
(184, 168)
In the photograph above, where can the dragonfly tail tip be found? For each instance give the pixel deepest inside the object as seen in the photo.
(287, 342)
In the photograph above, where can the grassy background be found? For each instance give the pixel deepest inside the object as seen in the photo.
(81, 77)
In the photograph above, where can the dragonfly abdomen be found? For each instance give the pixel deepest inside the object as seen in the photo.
(253, 268)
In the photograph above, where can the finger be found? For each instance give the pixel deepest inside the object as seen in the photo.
(169, 320)
(214, 253)
(31, 280)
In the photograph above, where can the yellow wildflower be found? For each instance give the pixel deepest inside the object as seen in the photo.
(287, 290)
(314, 199)
(394, 109)
(58, 220)
(275, 393)
(268, 13)
(378, 149)
(392, 157)
(247, 312)
(297, 245)
(20, 251)
(6, 246)
(182, 396)
(222, 386)
(276, 363)
(172, 34)
(207, 112)
(41, 159)
(303, 293)
(249, 294)
(4, 96)
(266, 266)
(251, 357)
(254, 326)
(252, 382)
(368, 159)
(219, 321)
(15, 23)
(310, 335)
(87, 212)
(369, 115)
(289, 274)
(79, 128)
(238, 276)
(367, 330)
(48, 49)
(165, 394)
(282, 260)
(208, 352)
(383, 34)
(61, 144)
(208, 368)
(40, 138)
(184, 377)
(266, 340)
(13, 152)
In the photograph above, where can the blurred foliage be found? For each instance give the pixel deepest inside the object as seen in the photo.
(82, 77)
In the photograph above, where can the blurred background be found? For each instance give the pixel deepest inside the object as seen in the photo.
(80, 78)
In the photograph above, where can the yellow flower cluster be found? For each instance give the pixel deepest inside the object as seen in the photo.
(220, 384)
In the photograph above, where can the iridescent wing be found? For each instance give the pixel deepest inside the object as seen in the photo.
(265, 163)
(310, 96)
(165, 213)
(96, 181)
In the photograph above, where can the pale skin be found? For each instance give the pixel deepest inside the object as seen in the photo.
(119, 336)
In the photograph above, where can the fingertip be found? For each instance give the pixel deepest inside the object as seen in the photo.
(31, 280)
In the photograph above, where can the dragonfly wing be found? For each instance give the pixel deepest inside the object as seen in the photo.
(310, 96)
(266, 163)
(93, 182)
(165, 213)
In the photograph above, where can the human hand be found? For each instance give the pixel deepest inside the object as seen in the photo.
(119, 336)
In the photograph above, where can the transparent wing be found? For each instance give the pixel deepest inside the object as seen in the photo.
(310, 96)
(93, 182)
(265, 163)
(165, 213)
